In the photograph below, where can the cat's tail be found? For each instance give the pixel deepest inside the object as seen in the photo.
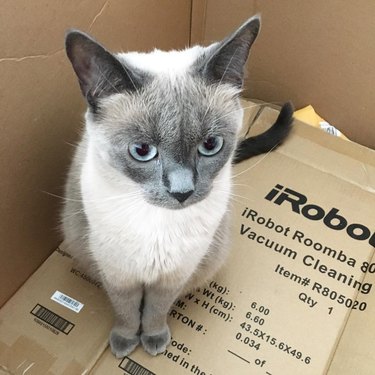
(268, 140)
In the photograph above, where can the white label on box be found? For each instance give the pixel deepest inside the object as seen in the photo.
(67, 301)
(328, 128)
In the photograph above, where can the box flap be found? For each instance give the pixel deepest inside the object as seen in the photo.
(295, 296)
(293, 283)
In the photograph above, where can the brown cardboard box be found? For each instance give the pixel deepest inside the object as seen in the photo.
(57, 323)
(291, 305)
(290, 300)
(319, 53)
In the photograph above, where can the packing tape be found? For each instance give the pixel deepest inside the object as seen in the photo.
(28, 357)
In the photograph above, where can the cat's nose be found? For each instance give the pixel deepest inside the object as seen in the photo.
(180, 183)
(181, 197)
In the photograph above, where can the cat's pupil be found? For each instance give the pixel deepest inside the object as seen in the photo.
(210, 143)
(143, 149)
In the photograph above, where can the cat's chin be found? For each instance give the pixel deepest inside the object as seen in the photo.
(174, 205)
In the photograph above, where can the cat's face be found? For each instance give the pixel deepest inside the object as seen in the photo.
(172, 139)
(169, 132)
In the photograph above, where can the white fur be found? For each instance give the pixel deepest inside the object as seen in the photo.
(145, 252)
(134, 241)
(158, 62)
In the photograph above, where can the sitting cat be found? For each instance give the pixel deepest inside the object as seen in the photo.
(148, 190)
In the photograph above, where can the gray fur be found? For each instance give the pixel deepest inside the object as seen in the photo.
(128, 106)
(157, 343)
(100, 73)
(120, 345)
(126, 302)
(175, 118)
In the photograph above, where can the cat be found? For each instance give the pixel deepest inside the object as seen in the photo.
(148, 190)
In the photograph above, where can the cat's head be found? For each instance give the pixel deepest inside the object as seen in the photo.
(166, 120)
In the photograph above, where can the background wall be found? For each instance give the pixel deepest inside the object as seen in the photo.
(314, 52)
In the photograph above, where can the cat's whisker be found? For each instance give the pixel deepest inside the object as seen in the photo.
(245, 185)
(264, 104)
(121, 197)
(117, 215)
(233, 194)
(236, 200)
(131, 79)
(232, 184)
(61, 197)
(75, 213)
(125, 204)
(97, 84)
(71, 144)
(254, 165)
(129, 195)
(233, 199)
(205, 229)
(108, 81)
(237, 184)
(226, 68)
(217, 119)
(217, 87)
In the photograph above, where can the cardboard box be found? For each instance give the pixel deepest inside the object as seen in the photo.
(291, 299)
(295, 58)
(294, 293)
(316, 53)
(57, 323)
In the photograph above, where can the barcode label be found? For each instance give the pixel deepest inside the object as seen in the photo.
(54, 320)
(67, 301)
(133, 368)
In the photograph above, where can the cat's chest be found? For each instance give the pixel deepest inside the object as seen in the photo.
(131, 237)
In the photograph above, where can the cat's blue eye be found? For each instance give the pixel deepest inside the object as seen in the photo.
(142, 151)
(211, 146)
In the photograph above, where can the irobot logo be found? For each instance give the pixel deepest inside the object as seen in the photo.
(298, 202)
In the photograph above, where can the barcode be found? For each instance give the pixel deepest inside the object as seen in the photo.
(133, 368)
(52, 319)
(67, 301)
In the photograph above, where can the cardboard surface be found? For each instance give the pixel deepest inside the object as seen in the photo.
(42, 107)
(311, 52)
(40, 335)
(295, 297)
(316, 53)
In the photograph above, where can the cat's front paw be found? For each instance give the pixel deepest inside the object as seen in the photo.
(122, 346)
(156, 344)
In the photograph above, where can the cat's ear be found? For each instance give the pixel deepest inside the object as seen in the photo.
(225, 61)
(99, 72)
